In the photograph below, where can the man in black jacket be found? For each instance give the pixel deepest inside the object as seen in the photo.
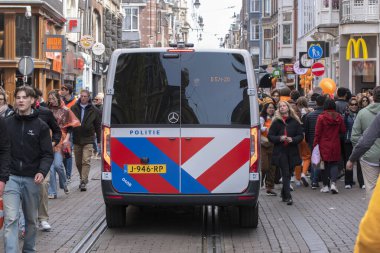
(31, 158)
(84, 135)
(309, 127)
(4, 156)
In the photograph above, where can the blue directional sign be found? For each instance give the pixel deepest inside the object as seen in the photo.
(315, 52)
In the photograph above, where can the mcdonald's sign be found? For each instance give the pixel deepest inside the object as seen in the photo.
(356, 44)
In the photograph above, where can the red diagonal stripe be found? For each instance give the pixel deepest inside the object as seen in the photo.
(190, 147)
(169, 147)
(154, 183)
(226, 166)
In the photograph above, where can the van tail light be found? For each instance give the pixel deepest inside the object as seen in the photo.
(106, 149)
(255, 150)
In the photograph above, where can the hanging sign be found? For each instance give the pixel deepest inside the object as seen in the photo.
(98, 48)
(87, 41)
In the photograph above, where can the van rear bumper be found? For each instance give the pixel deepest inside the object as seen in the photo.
(248, 198)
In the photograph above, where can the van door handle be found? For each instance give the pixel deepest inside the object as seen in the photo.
(172, 138)
(188, 138)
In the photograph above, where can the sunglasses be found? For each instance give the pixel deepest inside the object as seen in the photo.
(365, 100)
(63, 88)
(354, 104)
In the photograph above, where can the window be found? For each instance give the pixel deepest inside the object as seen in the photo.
(335, 4)
(131, 19)
(267, 10)
(267, 33)
(287, 34)
(26, 36)
(287, 16)
(2, 36)
(326, 3)
(159, 24)
(267, 49)
(255, 29)
(255, 5)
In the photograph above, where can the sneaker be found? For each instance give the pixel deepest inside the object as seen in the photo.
(45, 226)
(347, 186)
(298, 183)
(314, 186)
(66, 190)
(68, 180)
(83, 187)
(292, 179)
(52, 196)
(334, 190)
(325, 189)
(304, 181)
(363, 187)
(291, 188)
(271, 193)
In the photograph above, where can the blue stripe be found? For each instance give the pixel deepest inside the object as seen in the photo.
(191, 185)
(141, 147)
(121, 185)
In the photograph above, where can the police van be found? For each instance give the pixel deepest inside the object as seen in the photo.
(180, 127)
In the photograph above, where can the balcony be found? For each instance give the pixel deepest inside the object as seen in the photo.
(360, 11)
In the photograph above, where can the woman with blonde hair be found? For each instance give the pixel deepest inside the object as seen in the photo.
(285, 133)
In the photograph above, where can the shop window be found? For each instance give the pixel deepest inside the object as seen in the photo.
(26, 36)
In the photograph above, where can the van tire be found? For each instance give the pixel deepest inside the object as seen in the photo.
(116, 216)
(249, 216)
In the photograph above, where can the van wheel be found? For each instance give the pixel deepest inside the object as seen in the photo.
(115, 216)
(249, 216)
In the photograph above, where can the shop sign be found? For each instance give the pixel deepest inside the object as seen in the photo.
(98, 48)
(73, 25)
(356, 44)
(298, 70)
(87, 41)
(57, 63)
(55, 43)
(288, 68)
(276, 72)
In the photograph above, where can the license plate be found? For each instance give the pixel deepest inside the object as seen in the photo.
(146, 168)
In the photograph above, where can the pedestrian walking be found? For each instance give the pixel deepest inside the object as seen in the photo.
(66, 121)
(84, 135)
(363, 102)
(98, 103)
(285, 133)
(310, 122)
(342, 100)
(67, 94)
(267, 169)
(349, 118)
(327, 134)
(368, 157)
(5, 109)
(31, 157)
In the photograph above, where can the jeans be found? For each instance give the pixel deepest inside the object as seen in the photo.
(315, 170)
(330, 173)
(58, 167)
(20, 191)
(68, 162)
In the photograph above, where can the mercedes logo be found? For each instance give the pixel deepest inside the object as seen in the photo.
(173, 117)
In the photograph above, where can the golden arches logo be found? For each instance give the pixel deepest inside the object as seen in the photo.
(356, 44)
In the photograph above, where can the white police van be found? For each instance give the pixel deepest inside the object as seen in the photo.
(180, 127)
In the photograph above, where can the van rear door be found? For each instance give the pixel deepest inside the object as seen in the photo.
(215, 123)
(145, 126)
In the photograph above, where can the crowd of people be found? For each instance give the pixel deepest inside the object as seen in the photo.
(299, 129)
(37, 142)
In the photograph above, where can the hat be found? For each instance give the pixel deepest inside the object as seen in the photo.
(69, 87)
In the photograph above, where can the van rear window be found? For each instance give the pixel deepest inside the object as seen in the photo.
(202, 88)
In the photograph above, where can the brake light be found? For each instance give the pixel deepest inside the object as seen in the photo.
(106, 149)
(180, 50)
(255, 150)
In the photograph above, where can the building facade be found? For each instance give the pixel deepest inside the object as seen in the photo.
(22, 33)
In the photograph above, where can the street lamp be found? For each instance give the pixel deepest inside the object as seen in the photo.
(197, 4)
